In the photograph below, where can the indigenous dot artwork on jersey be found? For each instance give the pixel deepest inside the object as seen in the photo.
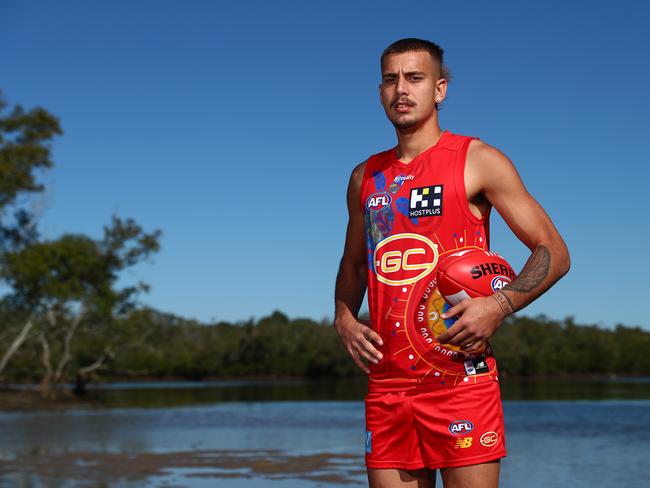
(416, 214)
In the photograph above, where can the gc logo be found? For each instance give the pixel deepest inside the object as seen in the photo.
(404, 258)
(488, 439)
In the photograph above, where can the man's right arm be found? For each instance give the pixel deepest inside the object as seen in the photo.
(351, 282)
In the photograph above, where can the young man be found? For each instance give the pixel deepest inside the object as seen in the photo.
(433, 394)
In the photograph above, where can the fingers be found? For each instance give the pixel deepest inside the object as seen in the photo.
(446, 336)
(461, 335)
(475, 347)
(360, 346)
(469, 341)
(450, 333)
(456, 309)
(361, 342)
(366, 354)
(463, 338)
(357, 360)
(364, 341)
(373, 336)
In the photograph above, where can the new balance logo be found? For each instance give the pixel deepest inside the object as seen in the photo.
(463, 443)
(426, 201)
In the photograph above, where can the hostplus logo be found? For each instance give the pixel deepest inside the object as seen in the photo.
(426, 201)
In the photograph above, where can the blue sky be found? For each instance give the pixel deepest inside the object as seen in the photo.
(233, 127)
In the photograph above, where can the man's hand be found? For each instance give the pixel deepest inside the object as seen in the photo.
(480, 318)
(358, 339)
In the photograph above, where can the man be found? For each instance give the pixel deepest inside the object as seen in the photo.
(433, 397)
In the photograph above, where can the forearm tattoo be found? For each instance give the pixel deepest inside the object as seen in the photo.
(533, 273)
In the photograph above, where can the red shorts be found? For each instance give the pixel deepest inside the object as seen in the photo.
(435, 428)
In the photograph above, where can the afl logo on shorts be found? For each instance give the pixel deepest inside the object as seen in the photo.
(403, 259)
(377, 201)
(499, 282)
(461, 427)
(489, 438)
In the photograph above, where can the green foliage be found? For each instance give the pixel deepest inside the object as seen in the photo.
(272, 346)
(76, 268)
(24, 149)
(64, 269)
(541, 347)
(167, 346)
(24, 137)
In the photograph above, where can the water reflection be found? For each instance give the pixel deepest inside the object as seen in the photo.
(184, 393)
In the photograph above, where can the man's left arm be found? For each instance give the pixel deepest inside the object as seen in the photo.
(500, 183)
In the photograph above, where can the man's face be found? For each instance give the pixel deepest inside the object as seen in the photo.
(410, 87)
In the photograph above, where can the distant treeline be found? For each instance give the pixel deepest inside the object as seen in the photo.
(274, 346)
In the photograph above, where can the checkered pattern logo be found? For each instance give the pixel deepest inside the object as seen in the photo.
(426, 201)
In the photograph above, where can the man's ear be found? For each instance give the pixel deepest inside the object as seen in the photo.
(441, 89)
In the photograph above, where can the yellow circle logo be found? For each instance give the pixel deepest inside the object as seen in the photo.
(405, 258)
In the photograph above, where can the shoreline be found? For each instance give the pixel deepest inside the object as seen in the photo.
(32, 401)
(26, 384)
(25, 397)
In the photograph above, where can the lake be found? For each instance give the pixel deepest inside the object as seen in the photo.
(309, 434)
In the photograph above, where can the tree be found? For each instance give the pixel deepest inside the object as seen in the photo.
(70, 283)
(24, 149)
(67, 285)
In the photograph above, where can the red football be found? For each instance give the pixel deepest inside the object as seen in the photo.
(471, 273)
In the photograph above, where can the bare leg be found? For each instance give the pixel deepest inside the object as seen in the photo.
(484, 475)
(401, 478)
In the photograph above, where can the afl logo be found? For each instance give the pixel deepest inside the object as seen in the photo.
(489, 439)
(403, 259)
(461, 427)
(377, 201)
(499, 282)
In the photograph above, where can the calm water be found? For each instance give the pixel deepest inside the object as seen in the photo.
(267, 434)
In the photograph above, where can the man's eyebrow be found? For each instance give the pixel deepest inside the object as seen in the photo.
(408, 73)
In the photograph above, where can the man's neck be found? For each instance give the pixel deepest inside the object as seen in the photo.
(415, 142)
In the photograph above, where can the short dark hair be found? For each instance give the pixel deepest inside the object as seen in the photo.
(413, 44)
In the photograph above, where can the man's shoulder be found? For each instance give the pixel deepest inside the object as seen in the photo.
(486, 162)
(481, 151)
(456, 142)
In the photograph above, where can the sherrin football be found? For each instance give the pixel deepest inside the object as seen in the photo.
(471, 273)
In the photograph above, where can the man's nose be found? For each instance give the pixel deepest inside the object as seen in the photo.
(401, 87)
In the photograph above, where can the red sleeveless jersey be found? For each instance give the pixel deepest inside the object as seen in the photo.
(415, 215)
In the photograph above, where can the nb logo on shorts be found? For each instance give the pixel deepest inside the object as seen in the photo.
(368, 441)
(463, 443)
